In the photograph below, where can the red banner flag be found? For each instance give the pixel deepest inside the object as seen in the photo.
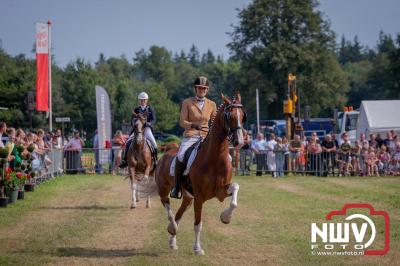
(42, 67)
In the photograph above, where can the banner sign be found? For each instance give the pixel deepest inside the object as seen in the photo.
(42, 67)
(103, 123)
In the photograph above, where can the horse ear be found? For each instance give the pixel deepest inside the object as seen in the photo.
(225, 99)
(238, 98)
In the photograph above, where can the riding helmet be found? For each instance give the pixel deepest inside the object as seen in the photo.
(201, 81)
(143, 96)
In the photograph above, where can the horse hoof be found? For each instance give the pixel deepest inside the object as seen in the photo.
(173, 247)
(133, 206)
(148, 205)
(199, 252)
(225, 220)
(172, 228)
(137, 199)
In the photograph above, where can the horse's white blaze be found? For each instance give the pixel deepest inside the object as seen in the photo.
(226, 215)
(197, 247)
(239, 132)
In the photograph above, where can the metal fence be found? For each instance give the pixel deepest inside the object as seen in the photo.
(279, 163)
(93, 161)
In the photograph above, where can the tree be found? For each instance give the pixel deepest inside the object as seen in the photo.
(277, 37)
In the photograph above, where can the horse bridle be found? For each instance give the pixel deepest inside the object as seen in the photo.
(227, 116)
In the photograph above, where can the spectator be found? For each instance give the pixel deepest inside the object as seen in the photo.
(245, 154)
(20, 137)
(285, 143)
(373, 142)
(363, 157)
(271, 155)
(363, 141)
(355, 157)
(379, 140)
(75, 143)
(118, 146)
(344, 156)
(294, 149)
(328, 154)
(3, 129)
(390, 143)
(371, 162)
(384, 160)
(314, 155)
(259, 147)
(13, 154)
(73, 153)
(58, 140)
(96, 147)
(279, 151)
(335, 141)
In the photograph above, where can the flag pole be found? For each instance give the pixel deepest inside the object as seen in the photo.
(50, 90)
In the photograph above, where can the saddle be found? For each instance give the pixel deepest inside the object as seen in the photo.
(190, 155)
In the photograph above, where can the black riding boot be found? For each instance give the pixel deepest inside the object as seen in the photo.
(124, 162)
(176, 191)
(155, 157)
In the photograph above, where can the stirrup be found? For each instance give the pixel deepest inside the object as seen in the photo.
(176, 194)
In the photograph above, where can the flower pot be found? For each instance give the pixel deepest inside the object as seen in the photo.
(29, 187)
(13, 196)
(3, 202)
(21, 194)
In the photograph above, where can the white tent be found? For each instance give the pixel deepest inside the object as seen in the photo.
(379, 117)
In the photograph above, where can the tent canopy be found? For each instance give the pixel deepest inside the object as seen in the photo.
(379, 116)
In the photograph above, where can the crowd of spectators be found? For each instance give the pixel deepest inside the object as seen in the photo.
(329, 156)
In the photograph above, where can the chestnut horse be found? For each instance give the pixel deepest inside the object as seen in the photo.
(210, 173)
(139, 159)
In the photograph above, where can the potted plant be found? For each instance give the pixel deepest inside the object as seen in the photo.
(29, 185)
(11, 182)
(20, 183)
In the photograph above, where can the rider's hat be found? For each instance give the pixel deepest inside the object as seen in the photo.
(143, 96)
(201, 81)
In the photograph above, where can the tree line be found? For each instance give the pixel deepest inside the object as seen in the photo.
(271, 39)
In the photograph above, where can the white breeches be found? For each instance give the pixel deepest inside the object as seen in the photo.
(185, 144)
(149, 135)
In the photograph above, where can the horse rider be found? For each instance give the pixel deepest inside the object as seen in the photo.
(148, 132)
(195, 115)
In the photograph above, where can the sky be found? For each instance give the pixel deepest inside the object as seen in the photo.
(86, 28)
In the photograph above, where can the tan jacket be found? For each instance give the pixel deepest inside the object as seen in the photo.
(191, 113)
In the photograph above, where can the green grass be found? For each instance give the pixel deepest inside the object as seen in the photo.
(64, 222)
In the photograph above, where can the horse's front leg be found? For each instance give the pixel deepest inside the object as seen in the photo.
(133, 187)
(198, 206)
(226, 215)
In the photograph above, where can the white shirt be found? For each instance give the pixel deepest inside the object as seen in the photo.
(259, 145)
(271, 145)
(200, 102)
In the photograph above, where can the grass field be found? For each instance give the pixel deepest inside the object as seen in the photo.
(81, 220)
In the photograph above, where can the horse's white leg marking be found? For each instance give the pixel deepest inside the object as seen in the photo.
(172, 240)
(226, 215)
(134, 190)
(197, 247)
